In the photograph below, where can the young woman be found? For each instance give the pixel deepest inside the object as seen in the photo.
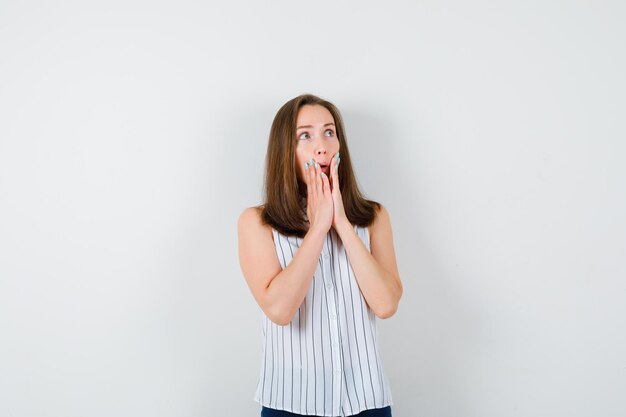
(320, 262)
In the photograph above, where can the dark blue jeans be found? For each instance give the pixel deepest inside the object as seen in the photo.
(376, 412)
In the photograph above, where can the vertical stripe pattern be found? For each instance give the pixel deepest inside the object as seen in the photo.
(325, 362)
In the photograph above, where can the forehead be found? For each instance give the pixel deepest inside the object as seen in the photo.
(313, 114)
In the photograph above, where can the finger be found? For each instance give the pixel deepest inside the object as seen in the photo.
(311, 175)
(334, 170)
(307, 175)
(305, 172)
(326, 184)
(318, 179)
(333, 160)
(311, 183)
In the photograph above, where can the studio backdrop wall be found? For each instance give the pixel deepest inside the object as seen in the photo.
(133, 134)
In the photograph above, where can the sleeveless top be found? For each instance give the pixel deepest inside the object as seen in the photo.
(326, 361)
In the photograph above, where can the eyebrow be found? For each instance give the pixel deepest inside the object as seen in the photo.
(310, 126)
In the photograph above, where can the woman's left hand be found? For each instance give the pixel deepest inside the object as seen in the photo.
(339, 214)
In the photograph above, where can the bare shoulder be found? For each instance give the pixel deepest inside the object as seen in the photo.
(249, 218)
(257, 255)
(381, 242)
(381, 223)
(250, 227)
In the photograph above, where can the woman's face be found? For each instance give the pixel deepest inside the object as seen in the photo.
(316, 137)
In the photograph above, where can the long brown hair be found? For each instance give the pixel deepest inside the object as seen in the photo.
(284, 207)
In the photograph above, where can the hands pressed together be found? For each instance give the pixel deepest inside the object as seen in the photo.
(324, 203)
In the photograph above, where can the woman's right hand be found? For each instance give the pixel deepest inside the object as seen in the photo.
(319, 206)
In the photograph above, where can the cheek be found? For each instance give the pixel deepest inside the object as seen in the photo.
(300, 160)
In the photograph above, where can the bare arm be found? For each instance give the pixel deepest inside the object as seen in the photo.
(375, 272)
(279, 292)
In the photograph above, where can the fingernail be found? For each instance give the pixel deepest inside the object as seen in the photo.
(324, 175)
(337, 155)
(317, 165)
(306, 166)
(311, 161)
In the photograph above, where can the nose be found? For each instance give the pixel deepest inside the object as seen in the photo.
(320, 151)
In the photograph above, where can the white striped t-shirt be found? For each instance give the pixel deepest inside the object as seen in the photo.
(326, 361)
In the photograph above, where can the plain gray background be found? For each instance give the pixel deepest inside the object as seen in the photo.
(133, 134)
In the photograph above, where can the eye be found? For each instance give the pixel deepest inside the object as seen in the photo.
(329, 133)
(304, 135)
